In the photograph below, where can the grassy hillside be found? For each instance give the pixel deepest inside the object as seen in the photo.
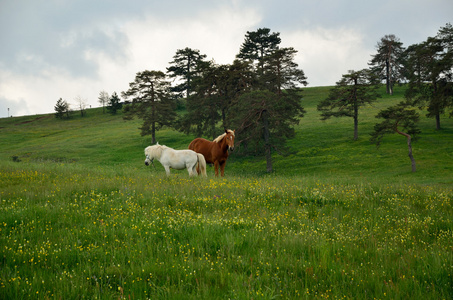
(81, 217)
(322, 149)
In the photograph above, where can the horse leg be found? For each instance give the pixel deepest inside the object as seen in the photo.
(216, 167)
(167, 170)
(192, 170)
(197, 168)
(195, 171)
(222, 168)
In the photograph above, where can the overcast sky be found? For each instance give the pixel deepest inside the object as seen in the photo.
(51, 49)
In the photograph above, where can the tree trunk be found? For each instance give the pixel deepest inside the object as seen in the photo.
(188, 77)
(387, 76)
(356, 113)
(153, 134)
(437, 121)
(153, 123)
(267, 146)
(409, 145)
(437, 103)
(153, 115)
(356, 121)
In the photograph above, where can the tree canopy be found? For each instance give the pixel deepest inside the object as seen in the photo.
(260, 93)
(151, 101)
(387, 62)
(114, 104)
(429, 69)
(61, 109)
(185, 66)
(402, 119)
(353, 91)
(257, 47)
(265, 120)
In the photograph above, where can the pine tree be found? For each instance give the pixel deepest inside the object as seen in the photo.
(429, 70)
(151, 101)
(387, 63)
(61, 108)
(185, 66)
(402, 119)
(281, 72)
(114, 104)
(257, 47)
(354, 90)
(265, 120)
(215, 92)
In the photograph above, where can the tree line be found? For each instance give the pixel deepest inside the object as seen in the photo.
(112, 103)
(259, 94)
(426, 68)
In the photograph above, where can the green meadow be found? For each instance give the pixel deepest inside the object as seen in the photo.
(82, 217)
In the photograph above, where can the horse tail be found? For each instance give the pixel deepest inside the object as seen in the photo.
(201, 165)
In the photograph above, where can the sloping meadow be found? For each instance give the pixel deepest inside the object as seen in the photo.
(82, 217)
(70, 232)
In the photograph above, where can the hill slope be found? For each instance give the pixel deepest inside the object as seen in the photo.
(321, 149)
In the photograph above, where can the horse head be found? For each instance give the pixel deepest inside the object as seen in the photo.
(229, 139)
(153, 152)
(148, 160)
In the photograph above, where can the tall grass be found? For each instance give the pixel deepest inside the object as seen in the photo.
(69, 232)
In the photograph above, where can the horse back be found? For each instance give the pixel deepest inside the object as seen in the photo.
(204, 147)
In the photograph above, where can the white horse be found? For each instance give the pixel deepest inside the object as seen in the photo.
(176, 159)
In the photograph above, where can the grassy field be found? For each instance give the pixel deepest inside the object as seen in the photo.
(81, 217)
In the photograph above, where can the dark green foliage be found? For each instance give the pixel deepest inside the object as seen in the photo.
(15, 158)
(354, 90)
(205, 105)
(387, 62)
(223, 95)
(396, 118)
(429, 69)
(259, 44)
(264, 120)
(186, 65)
(151, 101)
(401, 116)
(265, 116)
(114, 104)
(257, 47)
(61, 109)
(216, 91)
(281, 72)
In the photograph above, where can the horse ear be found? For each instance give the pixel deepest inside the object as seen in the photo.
(226, 130)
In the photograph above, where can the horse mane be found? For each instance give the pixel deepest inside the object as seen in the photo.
(155, 151)
(220, 137)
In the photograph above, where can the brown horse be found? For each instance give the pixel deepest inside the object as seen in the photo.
(215, 152)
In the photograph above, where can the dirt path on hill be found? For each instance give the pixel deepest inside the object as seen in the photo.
(29, 121)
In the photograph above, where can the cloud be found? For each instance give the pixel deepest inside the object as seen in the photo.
(10, 106)
(326, 54)
(38, 39)
(67, 48)
(218, 33)
(83, 60)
